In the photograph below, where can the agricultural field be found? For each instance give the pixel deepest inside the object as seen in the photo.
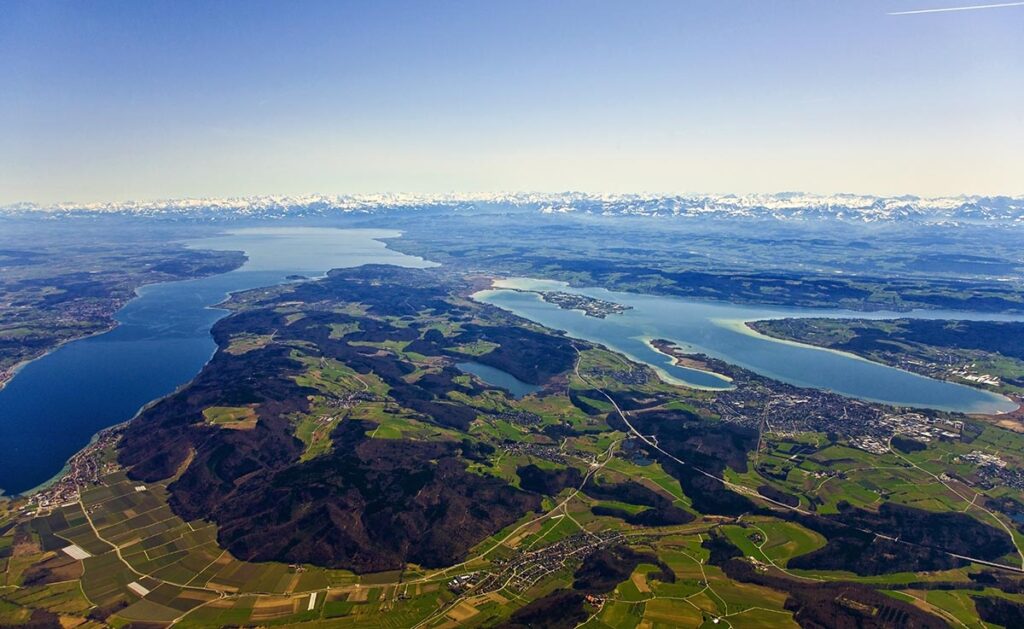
(232, 417)
(355, 477)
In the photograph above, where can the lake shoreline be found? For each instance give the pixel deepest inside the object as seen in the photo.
(749, 328)
(95, 436)
(174, 320)
(17, 367)
(682, 359)
(719, 330)
(8, 376)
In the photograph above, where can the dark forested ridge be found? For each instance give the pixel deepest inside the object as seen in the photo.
(366, 504)
(334, 430)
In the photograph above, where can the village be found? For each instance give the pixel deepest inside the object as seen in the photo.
(83, 470)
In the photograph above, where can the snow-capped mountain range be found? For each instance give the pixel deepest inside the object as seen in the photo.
(785, 206)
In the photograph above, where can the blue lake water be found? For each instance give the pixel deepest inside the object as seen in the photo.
(717, 329)
(52, 408)
(54, 405)
(498, 378)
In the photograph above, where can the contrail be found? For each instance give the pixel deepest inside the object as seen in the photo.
(967, 8)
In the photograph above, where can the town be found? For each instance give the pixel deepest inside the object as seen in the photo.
(783, 409)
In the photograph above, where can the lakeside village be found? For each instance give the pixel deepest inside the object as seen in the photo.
(866, 426)
(783, 409)
(755, 401)
(946, 365)
(83, 470)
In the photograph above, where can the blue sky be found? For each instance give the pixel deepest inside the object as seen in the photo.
(142, 100)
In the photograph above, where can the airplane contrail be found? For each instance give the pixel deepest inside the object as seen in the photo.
(966, 8)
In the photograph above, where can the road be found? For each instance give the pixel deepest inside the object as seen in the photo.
(753, 494)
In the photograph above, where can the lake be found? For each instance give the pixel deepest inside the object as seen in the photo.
(717, 329)
(55, 404)
(52, 408)
(498, 378)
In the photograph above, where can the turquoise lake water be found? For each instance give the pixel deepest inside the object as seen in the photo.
(717, 329)
(52, 408)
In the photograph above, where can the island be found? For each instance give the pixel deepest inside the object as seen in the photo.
(590, 306)
(332, 464)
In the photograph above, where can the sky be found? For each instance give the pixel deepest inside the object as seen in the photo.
(113, 101)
